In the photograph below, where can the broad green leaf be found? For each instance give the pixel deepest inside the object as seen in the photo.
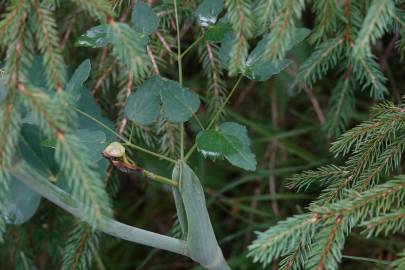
(22, 203)
(144, 18)
(208, 11)
(263, 71)
(202, 246)
(226, 47)
(229, 140)
(243, 157)
(178, 103)
(216, 33)
(214, 144)
(75, 84)
(143, 106)
(96, 37)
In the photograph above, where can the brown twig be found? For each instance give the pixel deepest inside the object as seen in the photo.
(69, 31)
(164, 43)
(315, 104)
(153, 60)
(273, 154)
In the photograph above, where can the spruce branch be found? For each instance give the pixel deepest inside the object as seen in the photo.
(282, 29)
(296, 259)
(399, 263)
(100, 9)
(80, 246)
(323, 176)
(283, 238)
(368, 74)
(10, 124)
(354, 138)
(264, 13)
(376, 23)
(209, 57)
(10, 112)
(385, 224)
(129, 48)
(325, 252)
(11, 20)
(324, 58)
(48, 41)
(241, 17)
(327, 16)
(341, 105)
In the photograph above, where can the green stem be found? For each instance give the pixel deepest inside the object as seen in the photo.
(198, 121)
(191, 46)
(217, 114)
(40, 184)
(152, 176)
(181, 141)
(160, 179)
(126, 142)
(180, 70)
(219, 111)
(190, 152)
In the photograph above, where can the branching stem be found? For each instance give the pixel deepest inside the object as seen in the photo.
(125, 140)
(217, 114)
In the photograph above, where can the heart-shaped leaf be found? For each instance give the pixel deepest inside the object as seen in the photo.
(144, 19)
(229, 140)
(178, 103)
(208, 11)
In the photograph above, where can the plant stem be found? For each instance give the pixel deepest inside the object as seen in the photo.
(190, 152)
(180, 70)
(126, 142)
(192, 46)
(198, 121)
(40, 184)
(217, 114)
(181, 141)
(160, 179)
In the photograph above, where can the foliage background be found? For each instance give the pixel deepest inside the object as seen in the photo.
(291, 131)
